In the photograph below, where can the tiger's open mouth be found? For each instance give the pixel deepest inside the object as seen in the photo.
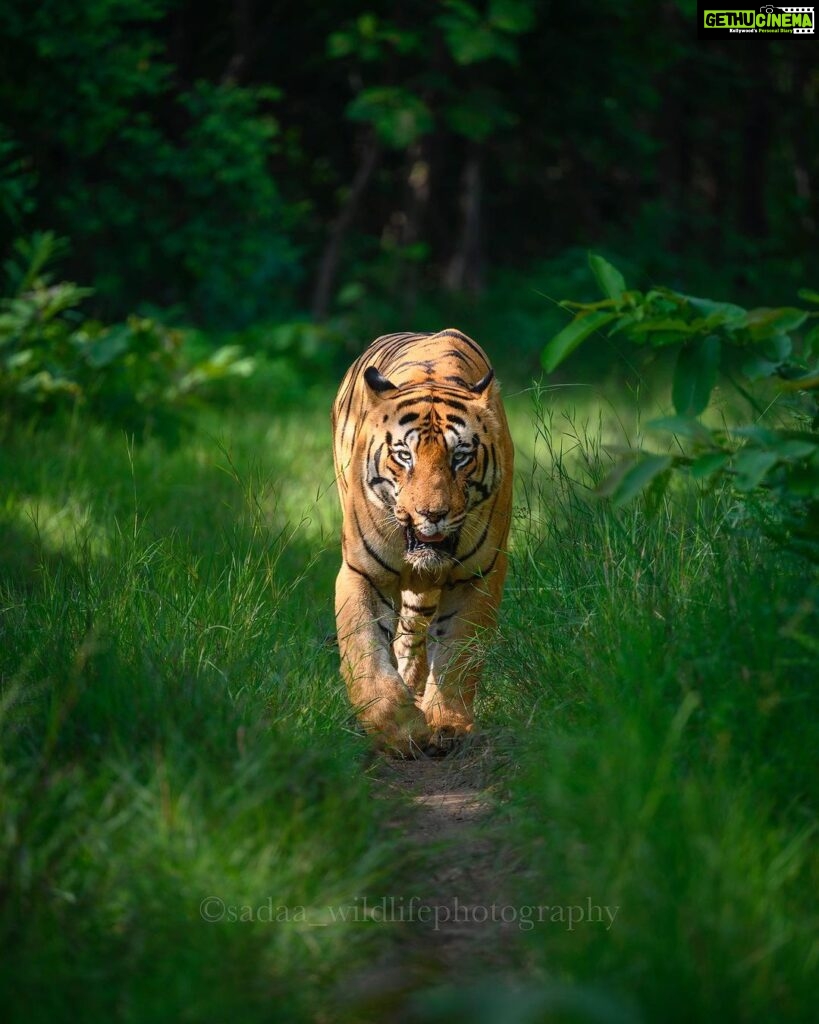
(442, 543)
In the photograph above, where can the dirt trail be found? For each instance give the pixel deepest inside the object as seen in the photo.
(453, 905)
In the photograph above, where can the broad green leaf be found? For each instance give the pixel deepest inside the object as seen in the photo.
(683, 426)
(758, 368)
(572, 335)
(626, 322)
(695, 376)
(763, 322)
(47, 384)
(471, 42)
(611, 281)
(777, 347)
(398, 116)
(706, 465)
(762, 436)
(751, 467)
(340, 44)
(797, 450)
(639, 476)
(110, 346)
(727, 311)
(809, 295)
(511, 15)
(19, 359)
(674, 325)
(810, 343)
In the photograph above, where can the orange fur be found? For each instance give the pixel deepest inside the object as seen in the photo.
(423, 461)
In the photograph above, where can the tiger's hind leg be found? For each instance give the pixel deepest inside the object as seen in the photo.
(385, 705)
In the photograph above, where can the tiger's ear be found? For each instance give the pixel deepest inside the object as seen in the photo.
(377, 383)
(483, 383)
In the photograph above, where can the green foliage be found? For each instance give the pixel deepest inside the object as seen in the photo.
(166, 192)
(134, 373)
(658, 681)
(398, 116)
(17, 180)
(370, 39)
(473, 38)
(755, 351)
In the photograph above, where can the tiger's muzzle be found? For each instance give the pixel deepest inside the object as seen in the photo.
(437, 543)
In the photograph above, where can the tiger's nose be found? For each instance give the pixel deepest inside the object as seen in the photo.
(434, 515)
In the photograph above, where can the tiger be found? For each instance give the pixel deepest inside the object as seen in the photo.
(423, 463)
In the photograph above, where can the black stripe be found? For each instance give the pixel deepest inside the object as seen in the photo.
(377, 459)
(425, 609)
(409, 417)
(412, 644)
(360, 572)
(479, 575)
(373, 554)
(435, 400)
(483, 573)
(470, 344)
(454, 353)
(450, 402)
(472, 551)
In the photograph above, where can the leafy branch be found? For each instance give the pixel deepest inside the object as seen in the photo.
(755, 351)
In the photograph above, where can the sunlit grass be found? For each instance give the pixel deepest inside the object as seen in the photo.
(664, 747)
(173, 728)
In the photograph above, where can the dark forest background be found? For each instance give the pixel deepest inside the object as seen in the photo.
(232, 164)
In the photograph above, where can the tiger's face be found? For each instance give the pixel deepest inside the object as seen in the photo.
(433, 462)
(431, 495)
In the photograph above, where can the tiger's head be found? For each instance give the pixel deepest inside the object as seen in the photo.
(431, 459)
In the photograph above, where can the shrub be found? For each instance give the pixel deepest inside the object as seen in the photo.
(135, 373)
(772, 459)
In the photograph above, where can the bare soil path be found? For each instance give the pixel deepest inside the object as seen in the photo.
(454, 918)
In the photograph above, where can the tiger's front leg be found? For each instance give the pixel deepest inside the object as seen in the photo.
(417, 610)
(466, 610)
(366, 620)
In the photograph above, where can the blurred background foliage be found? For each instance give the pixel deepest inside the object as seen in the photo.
(235, 164)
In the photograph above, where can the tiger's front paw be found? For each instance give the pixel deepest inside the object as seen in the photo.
(447, 717)
(405, 734)
(392, 719)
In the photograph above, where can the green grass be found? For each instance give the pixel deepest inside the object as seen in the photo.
(661, 673)
(173, 728)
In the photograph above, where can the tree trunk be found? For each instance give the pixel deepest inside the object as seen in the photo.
(465, 270)
(328, 265)
(418, 183)
(756, 141)
(242, 18)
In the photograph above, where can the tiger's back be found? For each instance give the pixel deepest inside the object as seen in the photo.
(424, 464)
